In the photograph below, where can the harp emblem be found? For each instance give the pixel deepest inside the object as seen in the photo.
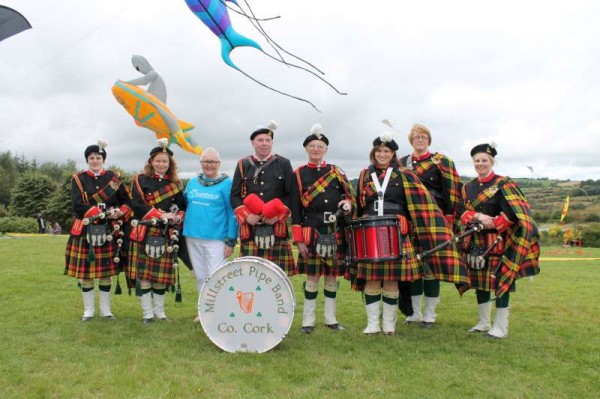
(246, 300)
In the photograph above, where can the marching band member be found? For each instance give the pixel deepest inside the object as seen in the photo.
(159, 204)
(317, 227)
(384, 189)
(507, 248)
(210, 227)
(100, 203)
(438, 174)
(260, 196)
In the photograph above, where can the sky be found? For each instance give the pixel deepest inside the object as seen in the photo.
(519, 73)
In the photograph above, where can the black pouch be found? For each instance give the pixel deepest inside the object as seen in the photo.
(156, 246)
(325, 245)
(264, 236)
(96, 234)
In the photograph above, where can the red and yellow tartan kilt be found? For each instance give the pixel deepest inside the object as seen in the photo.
(485, 279)
(77, 264)
(280, 253)
(314, 265)
(140, 265)
(394, 270)
(447, 265)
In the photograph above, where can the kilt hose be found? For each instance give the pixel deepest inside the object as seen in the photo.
(280, 254)
(84, 261)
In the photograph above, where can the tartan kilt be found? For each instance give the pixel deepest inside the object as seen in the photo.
(143, 267)
(485, 279)
(76, 259)
(280, 253)
(314, 265)
(405, 269)
(454, 271)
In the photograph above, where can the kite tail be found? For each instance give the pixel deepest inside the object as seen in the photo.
(272, 42)
(246, 15)
(231, 40)
(277, 91)
(255, 22)
(307, 70)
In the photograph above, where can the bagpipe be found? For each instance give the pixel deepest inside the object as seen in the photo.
(105, 231)
(474, 229)
(165, 244)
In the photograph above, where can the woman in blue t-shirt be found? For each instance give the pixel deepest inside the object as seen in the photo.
(210, 228)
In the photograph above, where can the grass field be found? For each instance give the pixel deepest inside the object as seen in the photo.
(553, 350)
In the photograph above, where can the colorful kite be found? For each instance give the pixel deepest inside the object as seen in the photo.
(148, 107)
(11, 22)
(563, 215)
(214, 14)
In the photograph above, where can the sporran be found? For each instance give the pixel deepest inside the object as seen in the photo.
(96, 234)
(156, 246)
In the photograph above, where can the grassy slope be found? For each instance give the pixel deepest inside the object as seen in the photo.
(45, 351)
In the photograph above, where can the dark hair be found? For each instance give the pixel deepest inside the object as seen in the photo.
(394, 160)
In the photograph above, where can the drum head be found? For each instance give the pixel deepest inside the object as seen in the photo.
(247, 305)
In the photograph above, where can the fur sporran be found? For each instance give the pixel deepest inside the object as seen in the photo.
(325, 245)
(264, 236)
(96, 234)
(156, 246)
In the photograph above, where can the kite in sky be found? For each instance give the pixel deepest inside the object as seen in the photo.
(148, 107)
(565, 209)
(214, 14)
(11, 22)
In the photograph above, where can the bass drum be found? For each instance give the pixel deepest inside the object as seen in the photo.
(247, 305)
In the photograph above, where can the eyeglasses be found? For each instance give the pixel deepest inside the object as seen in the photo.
(210, 162)
(421, 138)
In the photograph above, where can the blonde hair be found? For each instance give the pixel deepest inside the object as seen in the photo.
(423, 128)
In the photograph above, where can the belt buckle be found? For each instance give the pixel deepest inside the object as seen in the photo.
(101, 205)
(327, 217)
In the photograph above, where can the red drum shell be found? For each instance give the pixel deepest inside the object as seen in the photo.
(375, 239)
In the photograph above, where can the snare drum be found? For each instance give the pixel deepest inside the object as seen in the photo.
(375, 239)
(247, 305)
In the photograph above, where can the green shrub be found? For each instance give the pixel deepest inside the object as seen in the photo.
(591, 235)
(14, 224)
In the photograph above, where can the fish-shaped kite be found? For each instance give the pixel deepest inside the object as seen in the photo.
(214, 14)
(148, 107)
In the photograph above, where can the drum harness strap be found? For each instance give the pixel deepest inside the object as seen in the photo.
(381, 189)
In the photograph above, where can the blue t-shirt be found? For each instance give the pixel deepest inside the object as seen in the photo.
(209, 214)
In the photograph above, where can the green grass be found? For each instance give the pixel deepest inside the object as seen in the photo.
(553, 350)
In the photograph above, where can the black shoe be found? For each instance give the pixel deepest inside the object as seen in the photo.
(148, 321)
(87, 318)
(307, 329)
(110, 317)
(427, 324)
(336, 326)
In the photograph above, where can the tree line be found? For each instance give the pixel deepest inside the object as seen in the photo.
(28, 187)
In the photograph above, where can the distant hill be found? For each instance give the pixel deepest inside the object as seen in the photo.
(547, 197)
